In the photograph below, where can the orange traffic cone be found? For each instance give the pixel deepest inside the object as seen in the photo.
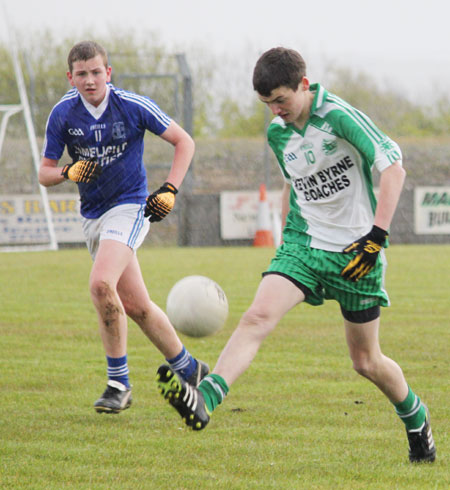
(263, 235)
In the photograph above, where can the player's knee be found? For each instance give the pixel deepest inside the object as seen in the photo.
(136, 312)
(363, 369)
(365, 365)
(100, 289)
(257, 320)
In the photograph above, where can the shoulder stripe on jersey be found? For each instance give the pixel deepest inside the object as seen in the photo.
(357, 116)
(71, 94)
(146, 103)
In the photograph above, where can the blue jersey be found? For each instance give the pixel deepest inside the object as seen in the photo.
(114, 138)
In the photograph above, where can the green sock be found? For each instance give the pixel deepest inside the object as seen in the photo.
(214, 389)
(411, 411)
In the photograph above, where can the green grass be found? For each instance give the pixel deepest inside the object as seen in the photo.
(299, 418)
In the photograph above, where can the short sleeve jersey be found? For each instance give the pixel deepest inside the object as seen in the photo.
(329, 165)
(114, 138)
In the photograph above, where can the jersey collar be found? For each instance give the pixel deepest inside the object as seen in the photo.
(97, 112)
(319, 96)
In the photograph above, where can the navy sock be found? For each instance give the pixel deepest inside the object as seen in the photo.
(118, 369)
(183, 364)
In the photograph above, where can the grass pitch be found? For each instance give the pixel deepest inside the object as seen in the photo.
(299, 418)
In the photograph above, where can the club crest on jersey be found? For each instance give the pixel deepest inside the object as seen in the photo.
(118, 130)
(386, 145)
(389, 149)
(329, 146)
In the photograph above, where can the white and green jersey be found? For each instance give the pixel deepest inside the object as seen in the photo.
(329, 166)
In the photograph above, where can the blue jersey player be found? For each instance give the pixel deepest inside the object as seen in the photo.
(102, 128)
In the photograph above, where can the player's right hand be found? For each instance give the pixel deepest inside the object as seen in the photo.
(84, 171)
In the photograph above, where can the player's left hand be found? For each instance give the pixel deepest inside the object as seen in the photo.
(367, 247)
(161, 202)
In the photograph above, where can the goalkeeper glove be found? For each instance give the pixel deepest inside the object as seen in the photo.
(84, 171)
(161, 202)
(368, 247)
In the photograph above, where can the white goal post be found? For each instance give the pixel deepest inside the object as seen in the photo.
(7, 111)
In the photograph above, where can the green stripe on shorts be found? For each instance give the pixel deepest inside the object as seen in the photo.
(320, 271)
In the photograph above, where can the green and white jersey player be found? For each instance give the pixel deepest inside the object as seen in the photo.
(327, 165)
(333, 235)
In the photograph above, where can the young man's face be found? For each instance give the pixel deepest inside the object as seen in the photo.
(90, 78)
(292, 106)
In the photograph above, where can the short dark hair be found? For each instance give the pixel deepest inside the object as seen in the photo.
(276, 68)
(85, 50)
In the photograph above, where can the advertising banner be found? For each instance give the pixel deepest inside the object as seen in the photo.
(239, 211)
(22, 219)
(432, 210)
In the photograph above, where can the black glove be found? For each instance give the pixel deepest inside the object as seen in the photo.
(82, 171)
(161, 202)
(368, 247)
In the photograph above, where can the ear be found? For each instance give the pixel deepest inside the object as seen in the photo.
(108, 74)
(70, 78)
(305, 83)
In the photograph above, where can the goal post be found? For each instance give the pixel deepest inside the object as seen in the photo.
(9, 110)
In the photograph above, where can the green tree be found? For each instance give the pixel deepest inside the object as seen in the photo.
(8, 86)
(391, 111)
(240, 120)
(217, 108)
(44, 65)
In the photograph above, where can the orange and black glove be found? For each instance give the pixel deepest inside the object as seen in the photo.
(161, 202)
(367, 248)
(84, 171)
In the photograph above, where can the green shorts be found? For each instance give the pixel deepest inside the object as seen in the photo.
(318, 274)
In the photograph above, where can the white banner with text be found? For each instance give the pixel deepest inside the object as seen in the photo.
(239, 212)
(22, 219)
(432, 210)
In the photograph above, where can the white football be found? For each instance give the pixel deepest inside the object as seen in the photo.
(197, 306)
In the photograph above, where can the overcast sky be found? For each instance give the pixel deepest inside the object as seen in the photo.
(405, 43)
